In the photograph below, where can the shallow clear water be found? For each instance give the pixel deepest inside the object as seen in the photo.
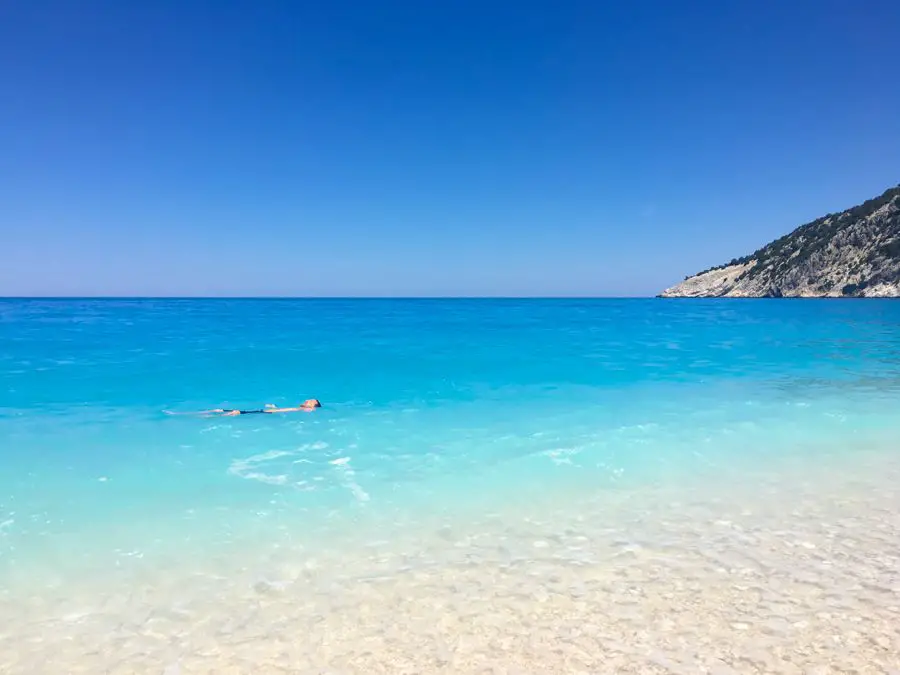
(457, 437)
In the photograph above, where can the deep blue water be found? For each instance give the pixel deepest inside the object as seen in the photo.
(427, 404)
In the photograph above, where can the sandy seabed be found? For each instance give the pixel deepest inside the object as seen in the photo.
(789, 569)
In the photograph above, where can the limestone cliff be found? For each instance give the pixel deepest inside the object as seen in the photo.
(855, 253)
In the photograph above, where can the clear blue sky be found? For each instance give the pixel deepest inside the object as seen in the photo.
(246, 147)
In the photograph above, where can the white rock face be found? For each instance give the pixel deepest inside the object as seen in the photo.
(715, 283)
(852, 254)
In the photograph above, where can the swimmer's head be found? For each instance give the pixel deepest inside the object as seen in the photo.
(311, 403)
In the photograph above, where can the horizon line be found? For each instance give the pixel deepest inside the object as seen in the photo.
(326, 297)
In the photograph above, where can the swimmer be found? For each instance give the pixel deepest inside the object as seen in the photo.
(307, 406)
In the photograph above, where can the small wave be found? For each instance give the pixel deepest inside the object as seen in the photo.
(269, 479)
(561, 456)
(266, 456)
(250, 467)
(342, 464)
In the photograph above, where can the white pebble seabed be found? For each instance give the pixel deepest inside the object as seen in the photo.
(790, 569)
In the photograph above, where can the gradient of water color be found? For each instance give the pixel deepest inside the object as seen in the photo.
(457, 438)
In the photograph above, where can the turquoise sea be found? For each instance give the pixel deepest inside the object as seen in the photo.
(470, 457)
